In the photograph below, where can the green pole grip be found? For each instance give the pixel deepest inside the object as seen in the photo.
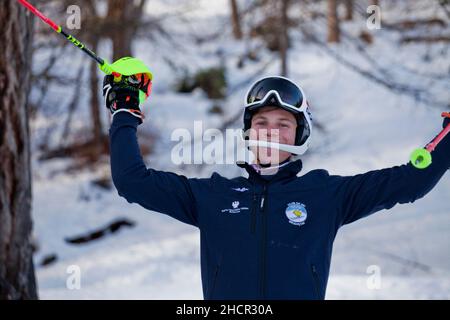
(421, 158)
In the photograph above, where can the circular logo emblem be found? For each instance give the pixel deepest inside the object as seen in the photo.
(296, 213)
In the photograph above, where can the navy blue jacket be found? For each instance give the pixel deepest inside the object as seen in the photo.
(265, 237)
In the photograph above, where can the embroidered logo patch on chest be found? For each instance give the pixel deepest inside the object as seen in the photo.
(296, 213)
(236, 208)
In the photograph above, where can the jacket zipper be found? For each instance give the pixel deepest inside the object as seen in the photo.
(213, 285)
(316, 280)
(253, 214)
(263, 249)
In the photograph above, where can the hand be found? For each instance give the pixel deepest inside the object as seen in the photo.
(121, 97)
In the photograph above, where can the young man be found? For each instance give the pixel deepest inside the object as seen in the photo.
(268, 236)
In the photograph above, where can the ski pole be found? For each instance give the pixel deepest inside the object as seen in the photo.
(421, 158)
(104, 66)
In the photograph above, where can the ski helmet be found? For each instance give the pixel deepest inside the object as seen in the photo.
(284, 93)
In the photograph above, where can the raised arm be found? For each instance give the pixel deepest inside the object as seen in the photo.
(159, 191)
(363, 194)
(164, 192)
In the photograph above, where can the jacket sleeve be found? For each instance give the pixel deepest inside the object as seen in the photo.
(164, 192)
(363, 194)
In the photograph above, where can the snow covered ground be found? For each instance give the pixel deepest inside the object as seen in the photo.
(367, 127)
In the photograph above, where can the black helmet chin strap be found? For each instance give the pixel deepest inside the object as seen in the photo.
(268, 165)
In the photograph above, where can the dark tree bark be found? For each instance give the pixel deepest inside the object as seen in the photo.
(97, 127)
(118, 10)
(127, 15)
(284, 37)
(348, 10)
(17, 280)
(333, 22)
(235, 20)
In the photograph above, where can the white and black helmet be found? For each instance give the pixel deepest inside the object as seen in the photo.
(280, 92)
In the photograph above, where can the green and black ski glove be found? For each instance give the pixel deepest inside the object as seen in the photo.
(121, 97)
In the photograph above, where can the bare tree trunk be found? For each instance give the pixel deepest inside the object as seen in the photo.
(284, 37)
(235, 20)
(17, 280)
(125, 16)
(97, 128)
(333, 22)
(120, 12)
(348, 10)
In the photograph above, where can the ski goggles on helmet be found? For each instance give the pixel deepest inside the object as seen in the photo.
(276, 91)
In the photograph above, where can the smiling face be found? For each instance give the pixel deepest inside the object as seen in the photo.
(275, 125)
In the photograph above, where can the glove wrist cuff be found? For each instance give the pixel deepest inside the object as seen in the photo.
(133, 112)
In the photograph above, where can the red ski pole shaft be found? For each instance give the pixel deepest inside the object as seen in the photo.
(39, 14)
(432, 145)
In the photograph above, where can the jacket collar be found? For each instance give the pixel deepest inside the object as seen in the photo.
(288, 171)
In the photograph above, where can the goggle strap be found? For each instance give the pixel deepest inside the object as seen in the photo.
(280, 101)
